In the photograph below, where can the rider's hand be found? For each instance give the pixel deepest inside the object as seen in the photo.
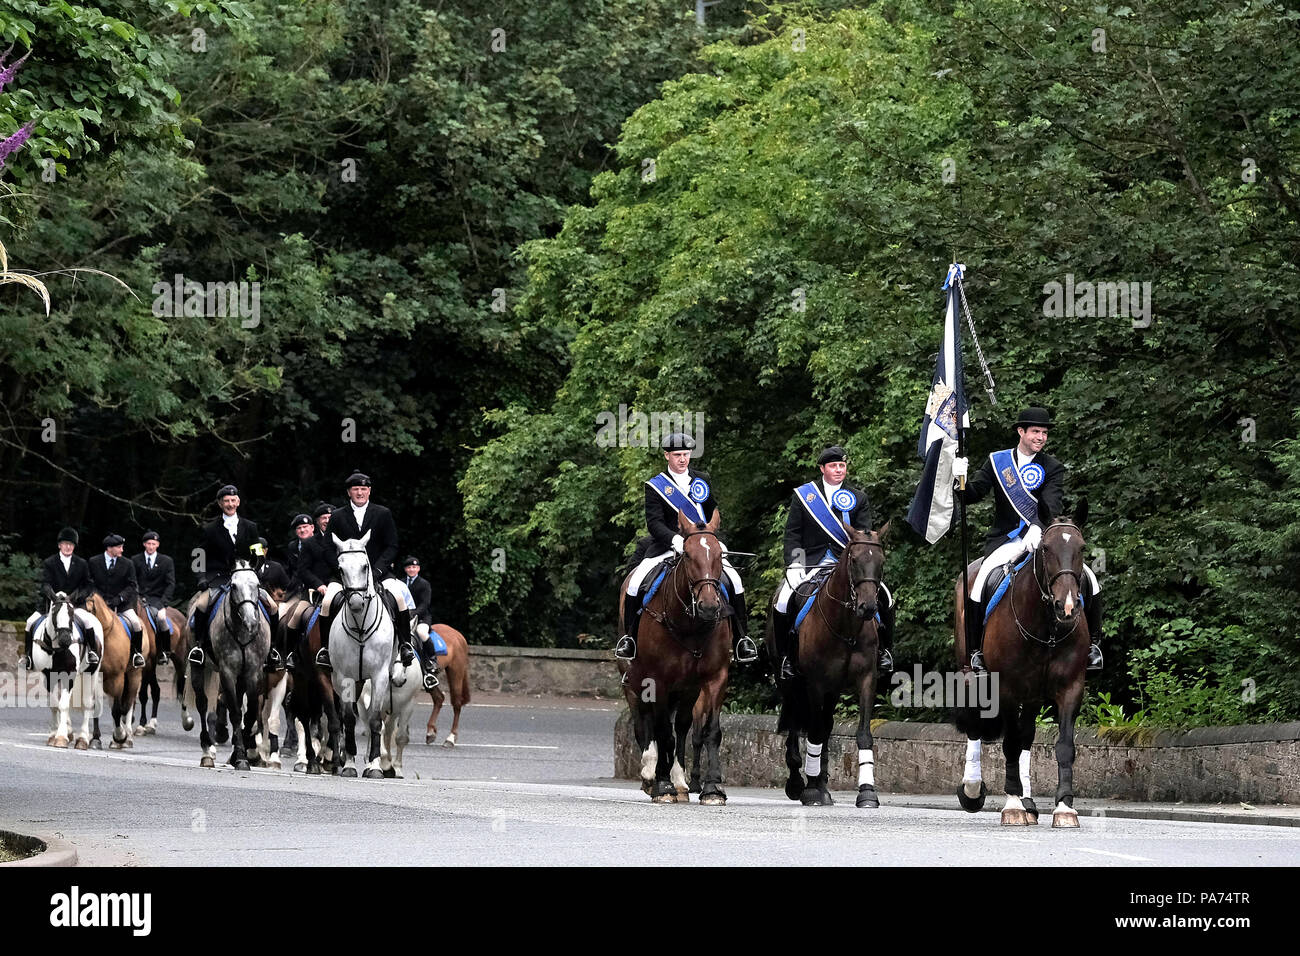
(1034, 537)
(679, 544)
(960, 467)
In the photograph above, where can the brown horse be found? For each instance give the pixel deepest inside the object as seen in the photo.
(313, 701)
(162, 647)
(682, 663)
(1036, 650)
(121, 680)
(456, 668)
(836, 648)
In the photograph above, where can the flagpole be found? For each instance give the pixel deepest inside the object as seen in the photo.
(961, 482)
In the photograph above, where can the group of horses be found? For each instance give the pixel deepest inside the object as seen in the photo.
(1036, 645)
(235, 698)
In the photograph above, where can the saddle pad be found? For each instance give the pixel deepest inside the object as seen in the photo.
(1003, 580)
(808, 592)
(654, 584)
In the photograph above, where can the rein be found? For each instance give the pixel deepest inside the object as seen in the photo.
(365, 631)
(694, 589)
(1054, 637)
(847, 563)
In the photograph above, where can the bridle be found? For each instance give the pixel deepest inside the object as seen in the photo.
(234, 601)
(367, 591)
(694, 588)
(1055, 636)
(849, 605)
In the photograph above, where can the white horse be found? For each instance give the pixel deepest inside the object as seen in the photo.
(404, 688)
(361, 652)
(58, 649)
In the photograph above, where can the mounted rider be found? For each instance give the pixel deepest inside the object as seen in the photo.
(1030, 486)
(113, 577)
(67, 572)
(422, 592)
(224, 540)
(815, 540)
(351, 522)
(303, 530)
(155, 575)
(679, 488)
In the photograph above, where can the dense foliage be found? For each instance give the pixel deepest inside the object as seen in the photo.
(538, 233)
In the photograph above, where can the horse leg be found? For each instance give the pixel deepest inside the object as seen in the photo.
(972, 791)
(1068, 702)
(187, 719)
(61, 697)
(144, 705)
(682, 720)
(199, 681)
(431, 728)
(232, 692)
(1013, 811)
(223, 717)
(375, 722)
(664, 790)
(1026, 730)
(643, 730)
(866, 745)
(813, 794)
(711, 792)
(457, 702)
(347, 745)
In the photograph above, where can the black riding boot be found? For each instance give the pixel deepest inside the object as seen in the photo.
(885, 657)
(402, 632)
(28, 639)
(781, 625)
(137, 642)
(1093, 614)
(625, 649)
(201, 648)
(744, 649)
(975, 634)
(429, 663)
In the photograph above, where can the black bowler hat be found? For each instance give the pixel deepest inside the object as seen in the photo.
(357, 478)
(298, 521)
(227, 490)
(150, 536)
(411, 560)
(113, 540)
(1034, 416)
(68, 534)
(323, 508)
(833, 453)
(678, 441)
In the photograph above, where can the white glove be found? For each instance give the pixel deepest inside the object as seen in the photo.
(1033, 537)
(960, 467)
(679, 544)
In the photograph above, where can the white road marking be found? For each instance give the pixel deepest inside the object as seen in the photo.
(510, 746)
(1121, 856)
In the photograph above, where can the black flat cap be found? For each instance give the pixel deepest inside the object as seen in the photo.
(833, 453)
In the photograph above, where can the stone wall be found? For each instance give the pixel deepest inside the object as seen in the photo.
(1257, 764)
(543, 670)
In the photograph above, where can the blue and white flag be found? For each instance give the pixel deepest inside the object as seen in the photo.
(946, 411)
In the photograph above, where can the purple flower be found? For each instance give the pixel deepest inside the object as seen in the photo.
(15, 142)
(8, 72)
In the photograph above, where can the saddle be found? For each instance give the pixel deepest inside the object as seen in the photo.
(996, 584)
(653, 580)
(805, 593)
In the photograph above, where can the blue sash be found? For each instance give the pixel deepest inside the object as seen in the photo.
(814, 503)
(670, 493)
(1019, 485)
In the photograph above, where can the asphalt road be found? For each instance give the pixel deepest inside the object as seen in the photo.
(529, 783)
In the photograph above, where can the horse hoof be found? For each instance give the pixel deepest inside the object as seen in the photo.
(348, 772)
(49, 741)
(390, 774)
(242, 765)
(1065, 817)
(140, 731)
(1015, 818)
(114, 745)
(972, 804)
(867, 796)
(647, 786)
(811, 797)
(150, 730)
(430, 739)
(128, 744)
(1031, 811)
(373, 773)
(274, 762)
(187, 722)
(449, 742)
(207, 761)
(665, 798)
(300, 767)
(715, 799)
(682, 796)
(96, 744)
(314, 770)
(82, 744)
(794, 786)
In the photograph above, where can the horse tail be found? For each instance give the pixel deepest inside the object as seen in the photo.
(972, 721)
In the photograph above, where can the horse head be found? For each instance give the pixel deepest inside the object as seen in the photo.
(61, 620)
(702, 564)
(1061, 553)
(245, 593)
(865, 560)
(354, 570)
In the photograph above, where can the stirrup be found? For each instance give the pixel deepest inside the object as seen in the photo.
(136, 656)
(273, 663)
(787, 668)
(625, 649)
(885, 661)
(977, 663)
(26, 663)
(92, 661)
(196, 656)
(323, 659)
(430, 680)
(407, 653)
(746, 651)
(1094, 658)
(290, 663)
